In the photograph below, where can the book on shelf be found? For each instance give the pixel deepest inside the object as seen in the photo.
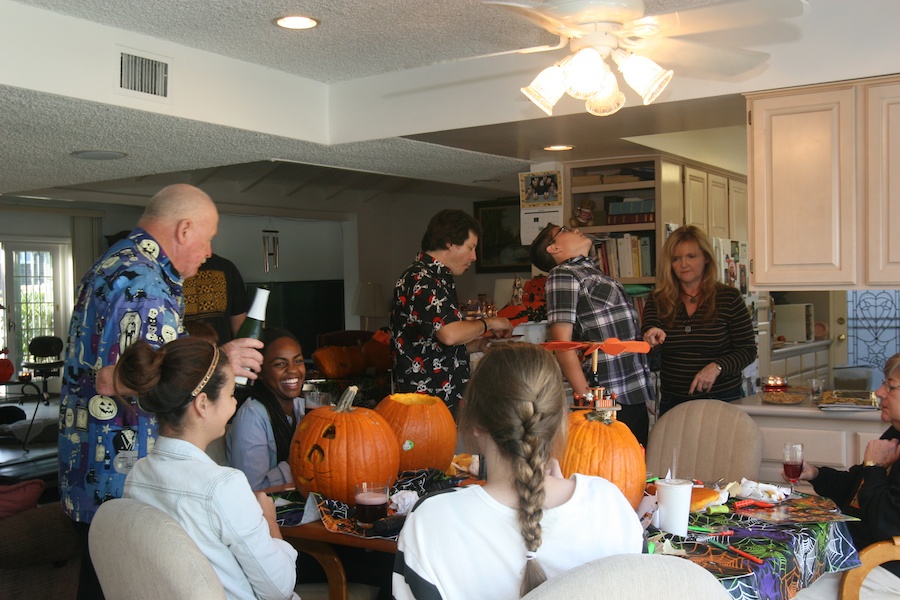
(624, 243)
(630, 218)
(646, 257)
(636, 267)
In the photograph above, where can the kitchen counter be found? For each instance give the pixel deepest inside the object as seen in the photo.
(797, 348)
(834, 439)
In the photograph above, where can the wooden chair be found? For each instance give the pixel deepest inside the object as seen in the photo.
(709, 438)
(871, 556)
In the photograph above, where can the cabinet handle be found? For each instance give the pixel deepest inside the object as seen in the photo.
(842, 338)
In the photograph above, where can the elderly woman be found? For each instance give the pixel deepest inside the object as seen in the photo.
(702, 327)
(870, 491)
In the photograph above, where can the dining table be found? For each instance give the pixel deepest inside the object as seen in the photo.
(773, 550)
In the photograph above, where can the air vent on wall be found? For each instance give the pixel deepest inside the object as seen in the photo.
(143, 75)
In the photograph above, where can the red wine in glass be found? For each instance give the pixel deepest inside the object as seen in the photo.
(793, 462)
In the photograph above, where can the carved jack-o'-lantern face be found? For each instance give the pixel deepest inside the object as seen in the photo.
(103, 408)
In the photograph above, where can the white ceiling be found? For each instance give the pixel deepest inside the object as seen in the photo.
(385, 97)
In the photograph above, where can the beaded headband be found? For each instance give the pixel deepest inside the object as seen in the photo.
(209, 373)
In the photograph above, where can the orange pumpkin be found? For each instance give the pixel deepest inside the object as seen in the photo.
(336, 447)
(425, 430)
(333, 362)
(377, 354)
(600, 445)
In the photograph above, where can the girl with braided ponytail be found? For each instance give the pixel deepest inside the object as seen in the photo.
(527, 523)
(189, 385)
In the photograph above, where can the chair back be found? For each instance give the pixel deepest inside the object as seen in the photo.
(346, 337)
(140, 552)
(45, 346)
(709, 438)
(633, 576)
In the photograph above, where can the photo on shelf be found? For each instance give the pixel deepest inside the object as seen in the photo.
(500, 248)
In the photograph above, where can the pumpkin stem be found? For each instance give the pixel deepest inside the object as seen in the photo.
(345, 404)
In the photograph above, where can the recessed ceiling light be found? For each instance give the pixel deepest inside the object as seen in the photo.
(558, 148)
(296, 22)
(99, 154)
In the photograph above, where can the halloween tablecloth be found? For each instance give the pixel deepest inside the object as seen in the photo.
(793, 555)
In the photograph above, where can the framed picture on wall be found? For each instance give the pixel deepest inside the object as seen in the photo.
(500, 249)
(543, 188)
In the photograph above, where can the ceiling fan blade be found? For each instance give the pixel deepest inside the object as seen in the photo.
(688, 56)
(539, 17)
(718, 17)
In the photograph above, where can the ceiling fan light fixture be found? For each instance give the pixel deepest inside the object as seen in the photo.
(546, 89)
(643, 75)
(608, 100)
(585, 72)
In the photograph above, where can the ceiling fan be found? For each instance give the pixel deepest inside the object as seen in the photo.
(599, 29)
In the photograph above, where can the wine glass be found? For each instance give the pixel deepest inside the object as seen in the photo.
(793, 462)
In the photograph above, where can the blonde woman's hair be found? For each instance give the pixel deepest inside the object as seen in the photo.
(516, 396)
(891, 366)
(667, 292)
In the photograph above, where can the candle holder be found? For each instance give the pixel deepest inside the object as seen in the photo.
(775, 384)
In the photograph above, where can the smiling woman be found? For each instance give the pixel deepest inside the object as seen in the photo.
(258, 441)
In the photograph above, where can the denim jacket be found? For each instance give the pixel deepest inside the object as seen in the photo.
(217, 508)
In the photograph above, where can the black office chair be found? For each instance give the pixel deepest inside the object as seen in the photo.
(45, 351)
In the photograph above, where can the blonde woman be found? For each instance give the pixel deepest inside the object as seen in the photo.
(702, 327)
(526, 524)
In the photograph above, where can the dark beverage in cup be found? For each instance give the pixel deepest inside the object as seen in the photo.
(372, 501)
(792, 471)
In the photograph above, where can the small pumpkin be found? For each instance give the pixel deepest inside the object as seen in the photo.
(333, 362)
(600, 445)
(377, 354)
(336, 447)
(425, 430)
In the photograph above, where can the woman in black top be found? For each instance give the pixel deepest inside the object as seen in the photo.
(702, 328)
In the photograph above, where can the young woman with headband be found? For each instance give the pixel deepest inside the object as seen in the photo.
(189, 386)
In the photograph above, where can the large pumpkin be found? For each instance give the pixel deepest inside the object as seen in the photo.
(600, 445)
(426, 432)
(333, 362)
(336, 447)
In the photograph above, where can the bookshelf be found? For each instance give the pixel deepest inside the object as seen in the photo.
(624, 203)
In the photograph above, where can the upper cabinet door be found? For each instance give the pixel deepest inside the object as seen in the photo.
(737, 210)
(717, 208)
(803, 221)
(696, 198)
(883, 184)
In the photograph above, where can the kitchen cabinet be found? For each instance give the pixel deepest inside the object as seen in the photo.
(823, 202)
(706, 202)
(799, 363)
(737, 210)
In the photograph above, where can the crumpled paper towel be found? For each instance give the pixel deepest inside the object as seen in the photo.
(767, 492)
(402, 502)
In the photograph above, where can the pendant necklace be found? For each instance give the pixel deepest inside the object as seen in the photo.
(692, 299)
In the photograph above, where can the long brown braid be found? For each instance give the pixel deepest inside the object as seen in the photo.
(516, 396)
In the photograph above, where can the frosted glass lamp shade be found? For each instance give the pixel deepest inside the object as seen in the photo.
(584, 73)
(546, 89)
(608, 100)
(644, 76)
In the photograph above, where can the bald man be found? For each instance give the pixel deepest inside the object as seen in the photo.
(133, 292)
